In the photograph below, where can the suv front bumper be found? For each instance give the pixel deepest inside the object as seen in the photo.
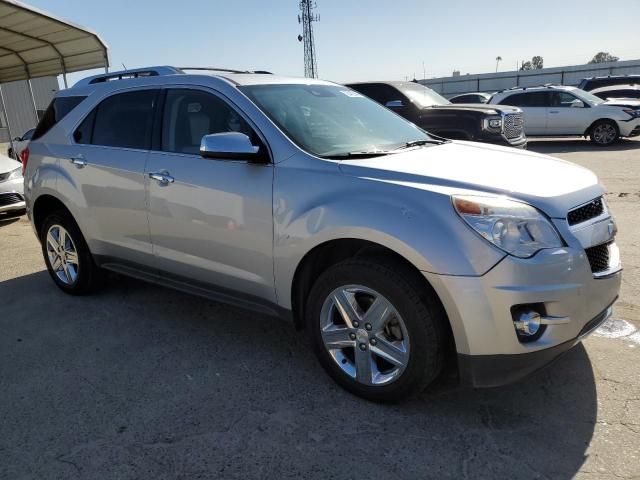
(479, 310)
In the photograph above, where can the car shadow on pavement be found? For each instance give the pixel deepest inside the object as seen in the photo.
(139, 381)
(7, 219)
(564, 145)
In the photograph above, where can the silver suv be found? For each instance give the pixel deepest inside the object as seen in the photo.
(399, 253)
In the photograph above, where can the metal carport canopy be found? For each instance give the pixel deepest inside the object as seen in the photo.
(36, 44)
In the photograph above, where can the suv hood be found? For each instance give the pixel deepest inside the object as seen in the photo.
(552, 185)
(489, 109)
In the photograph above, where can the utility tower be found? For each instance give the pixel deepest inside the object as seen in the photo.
(306, 18)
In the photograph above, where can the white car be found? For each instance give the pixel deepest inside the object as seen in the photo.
(627, 92)
(554, 110)
(11, 186)
(19, 144)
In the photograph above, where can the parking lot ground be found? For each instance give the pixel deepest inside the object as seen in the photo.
(140, 382)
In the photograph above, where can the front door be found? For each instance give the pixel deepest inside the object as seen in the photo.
(568, 115)
(212, 222)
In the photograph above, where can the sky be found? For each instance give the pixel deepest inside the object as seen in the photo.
(356, 40)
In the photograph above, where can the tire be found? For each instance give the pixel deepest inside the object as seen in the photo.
(412, 331)
(74, 272)
(604, 133)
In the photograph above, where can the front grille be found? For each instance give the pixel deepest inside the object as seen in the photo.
(10, 199)
(598, 257)
(586, 212)
(513, 125)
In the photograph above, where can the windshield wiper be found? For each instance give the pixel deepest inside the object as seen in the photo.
(417, 143)
(346, 155)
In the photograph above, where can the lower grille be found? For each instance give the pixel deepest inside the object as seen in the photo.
(513, 125)
(598, 257)
(586, 212)
(10, 199)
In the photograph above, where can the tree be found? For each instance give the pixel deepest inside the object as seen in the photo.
(602, 57)
(537, 62)
(526, 66)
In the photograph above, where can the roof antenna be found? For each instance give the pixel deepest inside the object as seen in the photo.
(123, 66)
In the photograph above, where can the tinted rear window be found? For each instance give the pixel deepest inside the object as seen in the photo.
(529, 99)
(56, 111)
(123, 120)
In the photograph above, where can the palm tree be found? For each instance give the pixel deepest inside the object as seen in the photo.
(498, 60)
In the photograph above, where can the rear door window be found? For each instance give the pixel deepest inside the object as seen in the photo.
(123, 120)
(57, 110)
(528, 99)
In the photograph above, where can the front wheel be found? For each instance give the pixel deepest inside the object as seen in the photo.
(604, 133)
(376, 329)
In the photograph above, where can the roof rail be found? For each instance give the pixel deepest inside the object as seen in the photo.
(128, 74)
(153, 72)
(225, 70)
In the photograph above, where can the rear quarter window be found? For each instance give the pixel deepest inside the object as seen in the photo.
(57, 110)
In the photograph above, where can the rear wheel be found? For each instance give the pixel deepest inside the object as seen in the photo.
(375, 329)
(604, 133)
(67, 255)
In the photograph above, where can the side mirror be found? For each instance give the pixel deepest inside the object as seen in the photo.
(231, 146)
(17, 139)
(577, 104)
(394, 104)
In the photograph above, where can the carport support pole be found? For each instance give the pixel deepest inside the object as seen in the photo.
(33, 100)
(64, 77)
(6, 118)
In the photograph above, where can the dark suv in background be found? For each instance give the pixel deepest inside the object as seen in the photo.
(501, 125)
(589, 84)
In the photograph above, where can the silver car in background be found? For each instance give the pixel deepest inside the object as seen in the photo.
(399, 253)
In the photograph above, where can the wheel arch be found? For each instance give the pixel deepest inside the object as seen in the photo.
(331, 252)
(43, 206)
(587, 132)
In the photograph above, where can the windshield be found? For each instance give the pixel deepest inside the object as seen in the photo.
(421, 95)
(586, 96)
(330, 120)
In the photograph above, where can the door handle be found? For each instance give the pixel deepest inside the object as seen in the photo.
(163, 178)
(79, 162)
(554, 111)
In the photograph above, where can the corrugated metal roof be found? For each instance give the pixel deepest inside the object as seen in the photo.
(34, 43)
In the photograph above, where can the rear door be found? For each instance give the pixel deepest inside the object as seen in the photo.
(212, 224)
(105, 168)
(534, 106)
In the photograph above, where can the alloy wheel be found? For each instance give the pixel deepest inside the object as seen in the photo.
(62, 254)
(604, 133)
(365, 335)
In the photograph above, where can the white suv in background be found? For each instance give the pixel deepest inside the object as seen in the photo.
(553, 110)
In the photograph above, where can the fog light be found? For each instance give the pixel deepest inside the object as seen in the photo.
(527, 323)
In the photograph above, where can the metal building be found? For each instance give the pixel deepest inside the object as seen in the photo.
(20, 115)
(36, 47)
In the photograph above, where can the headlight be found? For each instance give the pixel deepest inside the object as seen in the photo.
(492, 123)
(515, 227)
(632, 112)
(17, 173)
